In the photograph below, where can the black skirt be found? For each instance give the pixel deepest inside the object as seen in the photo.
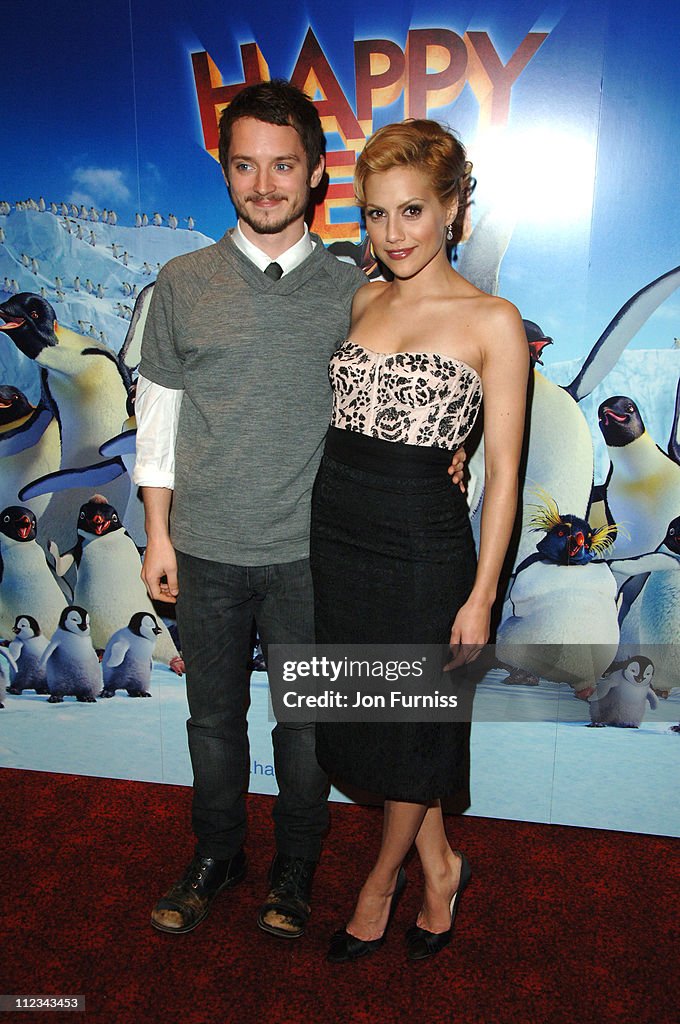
(393, 559)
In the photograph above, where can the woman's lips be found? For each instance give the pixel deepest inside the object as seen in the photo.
(398, 254)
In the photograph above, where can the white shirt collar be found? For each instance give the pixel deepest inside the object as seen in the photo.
(288, 260)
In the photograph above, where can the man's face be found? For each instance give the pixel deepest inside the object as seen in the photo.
(268, 177)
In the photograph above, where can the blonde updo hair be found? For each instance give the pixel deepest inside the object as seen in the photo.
(425, 146)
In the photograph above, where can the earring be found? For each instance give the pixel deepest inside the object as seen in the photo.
(449, 233)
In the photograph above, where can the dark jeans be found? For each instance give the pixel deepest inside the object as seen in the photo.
(215, 609)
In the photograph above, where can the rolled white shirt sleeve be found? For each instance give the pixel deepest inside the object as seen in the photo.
(157, 414)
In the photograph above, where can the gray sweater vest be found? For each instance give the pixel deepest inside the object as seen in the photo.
(252, 357)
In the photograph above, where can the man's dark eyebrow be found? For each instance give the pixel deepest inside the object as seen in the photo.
(288, 157)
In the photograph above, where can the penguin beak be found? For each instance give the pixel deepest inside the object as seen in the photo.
(575, 544)
(101, 525)
(157, 630)
(607, 412)
(536, 349)
(11, 325)
(24, 527)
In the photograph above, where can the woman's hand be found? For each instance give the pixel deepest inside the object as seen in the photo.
(457, 468)
(469, 633)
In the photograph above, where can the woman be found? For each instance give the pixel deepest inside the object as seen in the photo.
(392, 552)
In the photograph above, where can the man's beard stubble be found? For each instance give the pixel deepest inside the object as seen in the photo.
(270, 222)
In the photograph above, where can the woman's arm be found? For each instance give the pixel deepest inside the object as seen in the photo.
(505, 372)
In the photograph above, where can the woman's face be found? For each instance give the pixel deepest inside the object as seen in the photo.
(405, 219)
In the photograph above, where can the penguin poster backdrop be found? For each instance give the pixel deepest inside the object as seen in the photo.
(568, 113)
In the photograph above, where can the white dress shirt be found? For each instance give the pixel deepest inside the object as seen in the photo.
(157, 407)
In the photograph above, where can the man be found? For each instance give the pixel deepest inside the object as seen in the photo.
(233, 402)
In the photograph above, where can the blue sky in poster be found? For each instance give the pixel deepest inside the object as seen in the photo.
(591, 141)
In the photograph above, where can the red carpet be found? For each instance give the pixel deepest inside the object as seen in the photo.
(559, 925)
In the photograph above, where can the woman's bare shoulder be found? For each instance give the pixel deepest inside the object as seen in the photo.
(494, 314)
(367, 294)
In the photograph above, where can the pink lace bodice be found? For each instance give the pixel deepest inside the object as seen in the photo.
(414, 397)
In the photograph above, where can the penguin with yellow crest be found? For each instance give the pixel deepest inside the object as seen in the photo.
(563, 624)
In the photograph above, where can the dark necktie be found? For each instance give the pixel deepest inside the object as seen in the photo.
(274, 271)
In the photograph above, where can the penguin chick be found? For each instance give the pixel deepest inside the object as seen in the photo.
(70, 660)
(622, 692)
(127, 663)
(27, 650)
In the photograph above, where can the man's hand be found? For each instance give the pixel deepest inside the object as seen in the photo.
(159, 571)
(457, 468)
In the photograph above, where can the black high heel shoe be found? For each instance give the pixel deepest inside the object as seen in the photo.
(345, 948)
(421, 943)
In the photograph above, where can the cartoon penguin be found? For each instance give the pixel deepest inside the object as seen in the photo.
(127, 660)
(119, 451)
(27, 650)
(623, 692)
(27, 586)
(558, 451)
(86, 386)
(7, 669)
(29, 445)
(642, 489)
(70, 660)
(107, 576)
(563, 624)
(649, 606)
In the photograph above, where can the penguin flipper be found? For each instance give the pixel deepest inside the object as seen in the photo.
(123, 444)
(47, 653)
(619, 331)
(130, 352)
(629, 593)
(62, 563)
(655, 561)
(115, 654)
(598, 513)
(674, 441)
(481, 256)
(6, 654)
(84, 476)
(18, 440)
(603, 688)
